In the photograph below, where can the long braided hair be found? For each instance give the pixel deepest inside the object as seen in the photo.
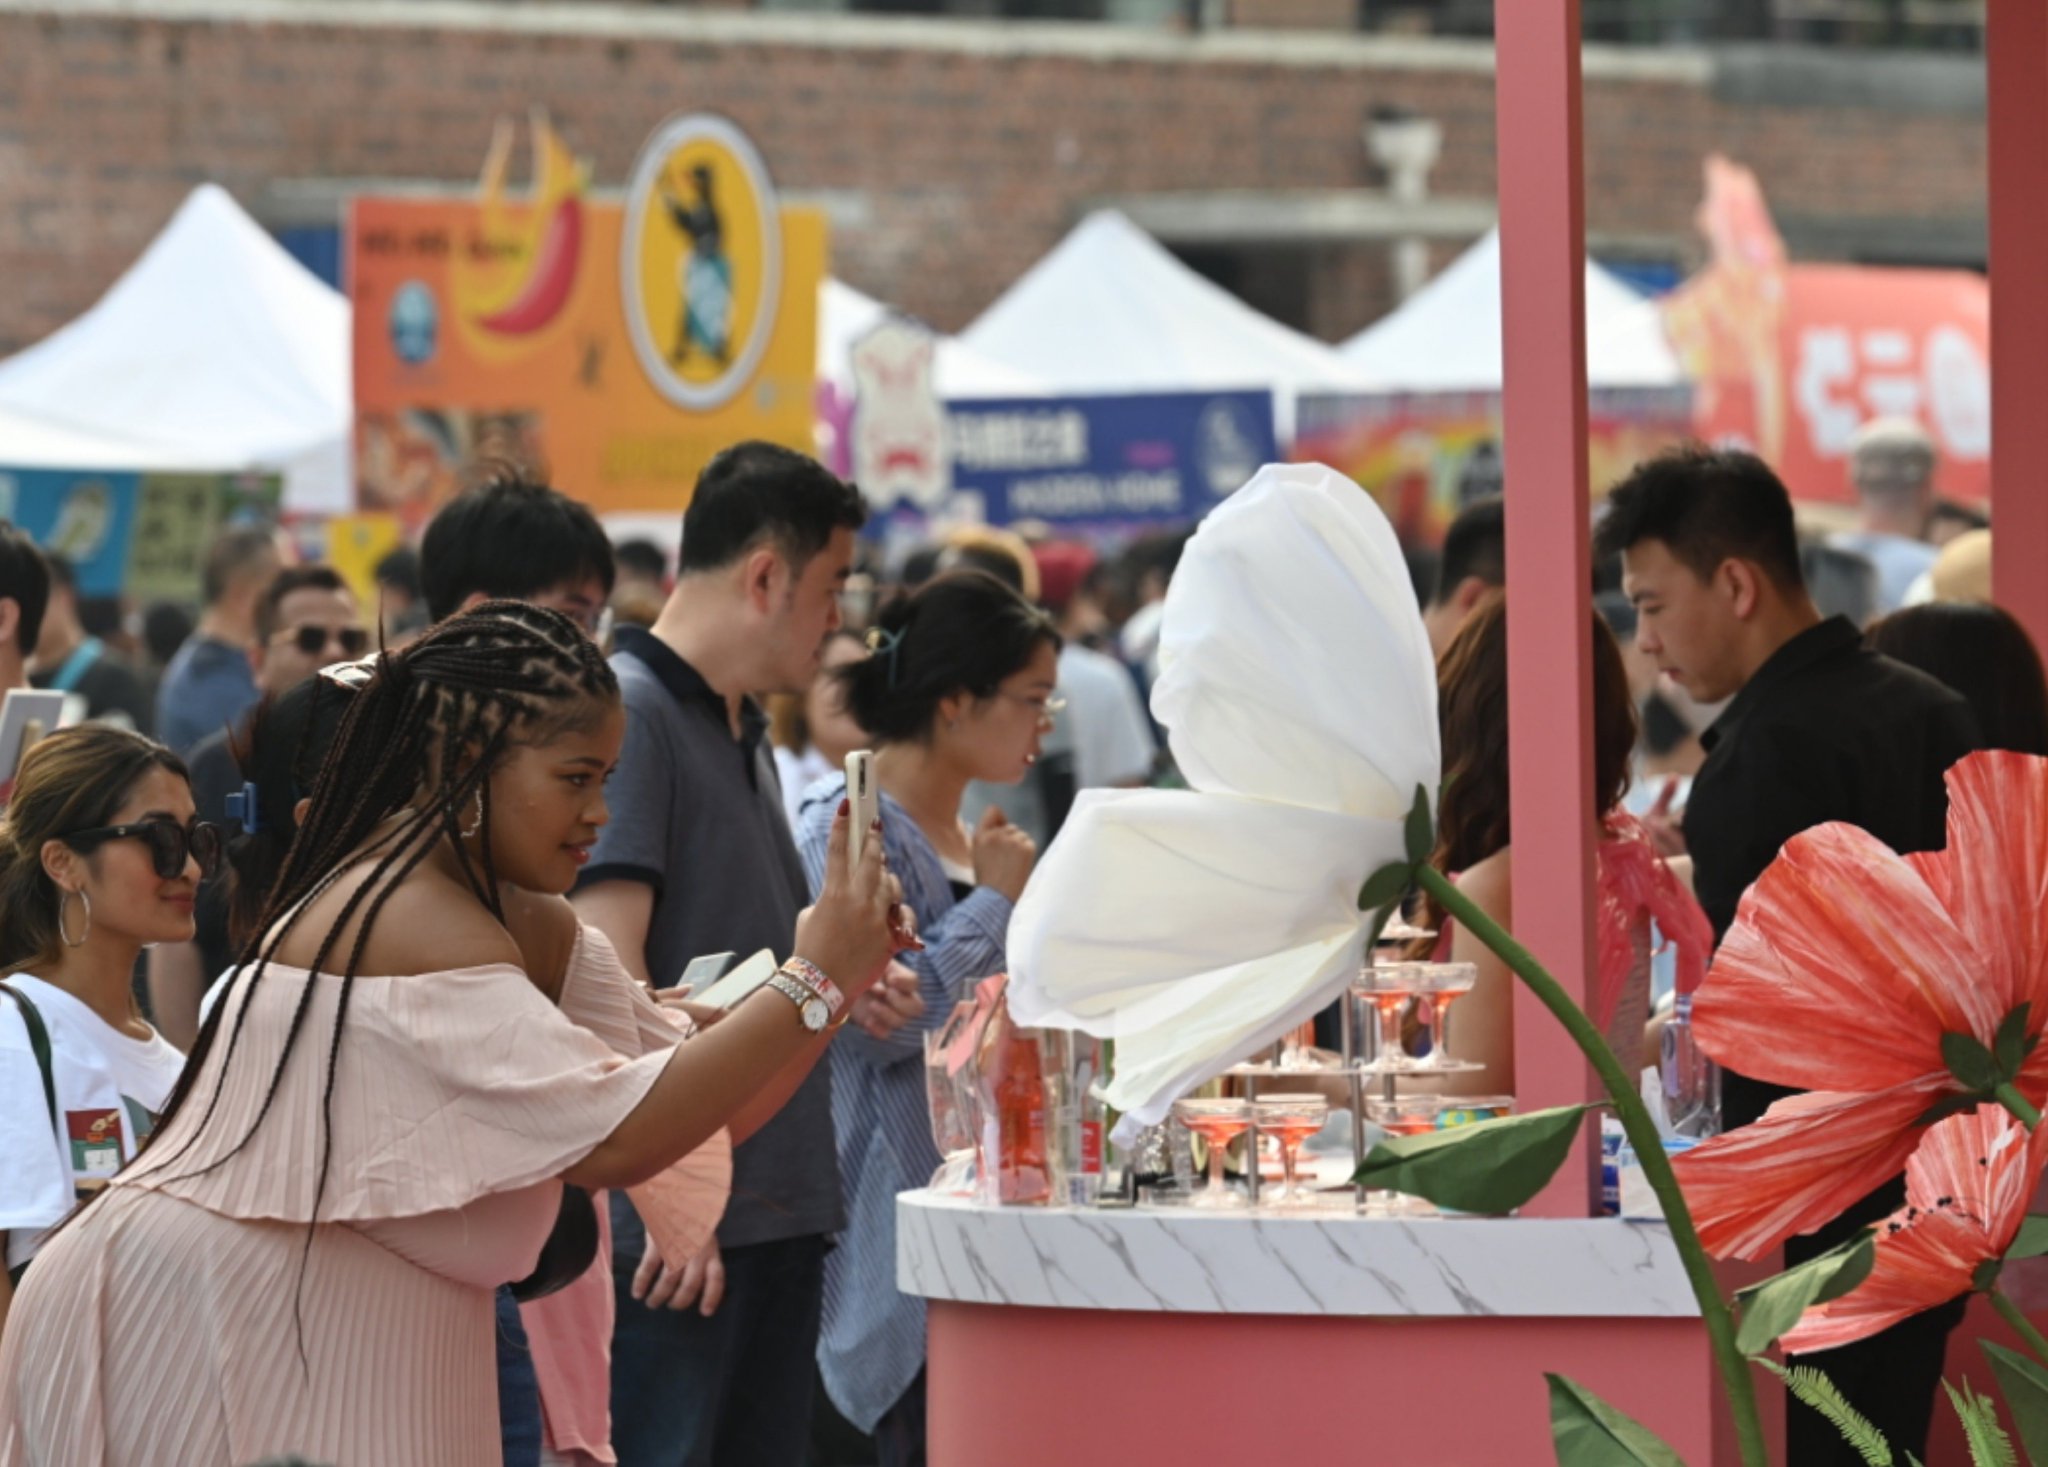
(419, 741)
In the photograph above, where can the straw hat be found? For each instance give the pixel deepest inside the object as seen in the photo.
(1962, 572)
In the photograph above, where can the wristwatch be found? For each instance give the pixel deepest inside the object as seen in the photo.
(810, 1008)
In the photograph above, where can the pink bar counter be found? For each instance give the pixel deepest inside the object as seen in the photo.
(1062, 1338)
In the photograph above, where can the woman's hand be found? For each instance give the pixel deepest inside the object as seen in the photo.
(1003, 854)
(890, 1004)
(849, 932)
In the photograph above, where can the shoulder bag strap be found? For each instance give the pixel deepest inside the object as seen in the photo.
(39, 1044)
(77, 665)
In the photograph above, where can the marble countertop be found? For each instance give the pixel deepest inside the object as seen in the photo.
(1176, 1260)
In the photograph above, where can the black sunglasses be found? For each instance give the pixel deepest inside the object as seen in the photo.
(313, 640)
(170, 844)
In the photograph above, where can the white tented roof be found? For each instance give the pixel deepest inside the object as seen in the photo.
(1111, 310)
(1446, 337)
(34, 443)
(216, 345)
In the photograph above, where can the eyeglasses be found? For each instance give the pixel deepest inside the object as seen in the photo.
(313, 640)
(170, 844)
(1047, 709)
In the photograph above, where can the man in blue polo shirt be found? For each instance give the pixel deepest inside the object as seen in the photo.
(697, 859)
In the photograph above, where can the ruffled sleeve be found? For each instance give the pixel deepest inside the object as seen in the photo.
(601, 996)
(681, 1205)
(447, 1087)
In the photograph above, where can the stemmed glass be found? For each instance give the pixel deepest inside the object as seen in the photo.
(1218, 1122)
(1388, 988)
(1291, 1120)
(1442, 984)
(1404, 1115)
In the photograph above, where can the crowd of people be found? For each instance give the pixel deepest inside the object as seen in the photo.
(367, 820)
(340, 1028)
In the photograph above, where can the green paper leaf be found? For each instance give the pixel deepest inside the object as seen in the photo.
(2024, 1385)
(1588, 1432)
(1812, 1387)
(1989, 1445)
(1384, 887)
(1421, 830)
(2009, 1048)
(1774, 1306)
(2032, 1240)
(1970, 1062)
(1488, 1167)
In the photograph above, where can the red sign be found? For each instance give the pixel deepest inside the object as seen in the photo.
(1790, 360)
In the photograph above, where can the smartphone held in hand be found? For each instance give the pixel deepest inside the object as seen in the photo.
(864, 795)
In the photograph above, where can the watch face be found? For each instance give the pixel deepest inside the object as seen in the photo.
(815, 1015)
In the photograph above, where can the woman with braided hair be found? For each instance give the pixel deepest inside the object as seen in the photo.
(379, 1116)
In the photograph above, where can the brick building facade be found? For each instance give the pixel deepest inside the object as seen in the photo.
(951, 153)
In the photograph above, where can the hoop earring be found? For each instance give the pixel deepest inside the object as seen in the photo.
(476, 821)
(63, 905)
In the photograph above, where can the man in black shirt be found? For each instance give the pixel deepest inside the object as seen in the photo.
(1819, 729)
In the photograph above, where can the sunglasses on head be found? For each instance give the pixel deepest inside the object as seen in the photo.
(170, 844)
(313, 640)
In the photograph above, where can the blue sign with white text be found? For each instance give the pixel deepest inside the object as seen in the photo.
(1148, 457)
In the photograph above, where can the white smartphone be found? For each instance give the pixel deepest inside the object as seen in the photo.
(706, 970)
(866, 798)
(740, 982)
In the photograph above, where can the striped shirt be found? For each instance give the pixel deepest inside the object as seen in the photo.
(871, 1345)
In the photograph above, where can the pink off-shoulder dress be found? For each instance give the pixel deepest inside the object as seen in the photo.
(159, 1326)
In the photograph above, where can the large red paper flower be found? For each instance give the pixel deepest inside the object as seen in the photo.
(1967, 1189)
(1846, 965)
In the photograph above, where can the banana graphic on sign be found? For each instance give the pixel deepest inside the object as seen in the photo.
(513, 277)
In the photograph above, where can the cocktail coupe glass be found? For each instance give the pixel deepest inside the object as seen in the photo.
(1387, 988)
(1403, 1115)
(1218, 1122)
(1441, 985)
(1290, 1120)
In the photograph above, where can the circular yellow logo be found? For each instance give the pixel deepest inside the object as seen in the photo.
(700, 260)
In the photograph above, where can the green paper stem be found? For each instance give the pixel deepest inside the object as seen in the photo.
(2012, 1315)
(1649, 1147)
(2010, 1097)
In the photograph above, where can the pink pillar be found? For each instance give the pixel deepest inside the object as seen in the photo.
(2016, 48)
(1541, 187)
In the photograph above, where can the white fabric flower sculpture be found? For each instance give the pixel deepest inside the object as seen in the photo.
(1193, 927)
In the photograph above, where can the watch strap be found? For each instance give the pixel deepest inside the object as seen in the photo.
(808, 973)
(799, 995)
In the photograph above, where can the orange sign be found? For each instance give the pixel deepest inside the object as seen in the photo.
(1790, 360)
(622, 345)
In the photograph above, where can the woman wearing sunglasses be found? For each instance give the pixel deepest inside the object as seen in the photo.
(99, 856)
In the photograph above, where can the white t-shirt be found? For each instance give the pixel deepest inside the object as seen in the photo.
(110, 1088)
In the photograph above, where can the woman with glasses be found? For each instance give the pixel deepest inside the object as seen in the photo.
(958, 685)
(99, 856)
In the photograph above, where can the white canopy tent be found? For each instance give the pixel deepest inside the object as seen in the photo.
(845, 315)
(1446, 337)
(215, 346)
(1112, 310)
(34, 443)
